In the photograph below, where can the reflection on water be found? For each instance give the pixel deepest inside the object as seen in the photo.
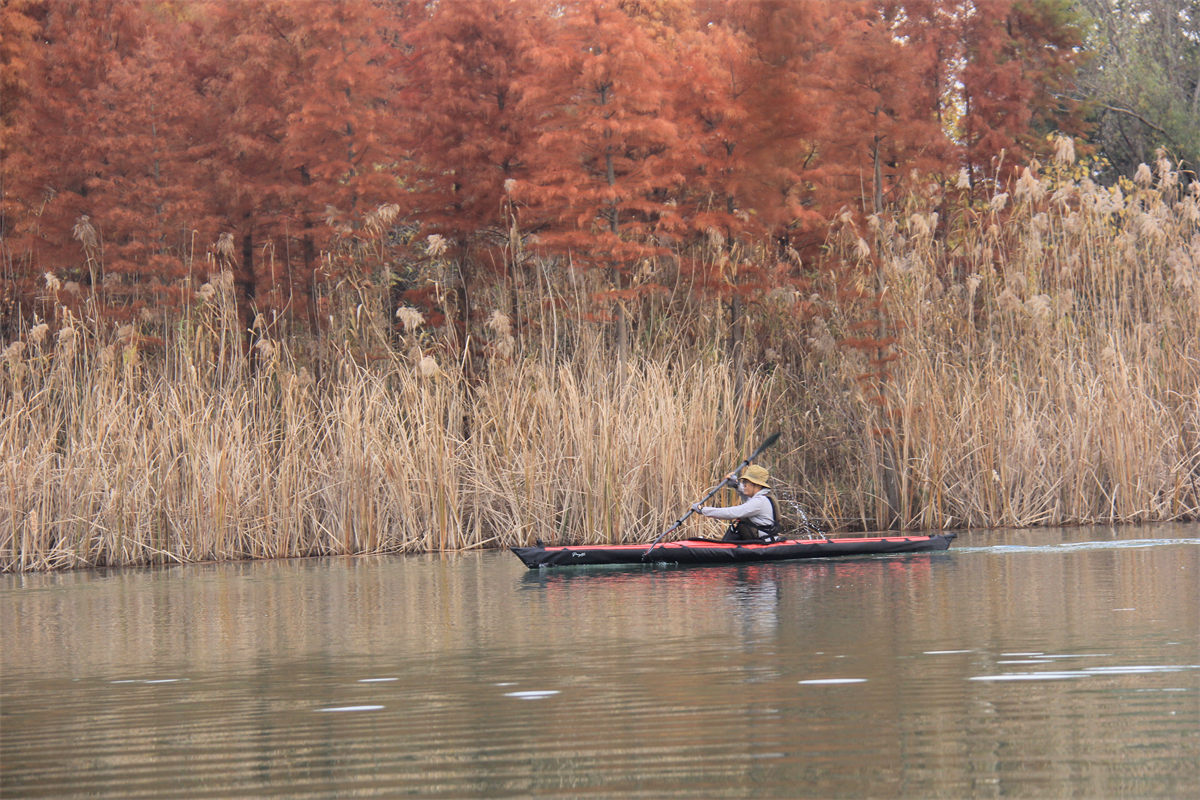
(1030, 663)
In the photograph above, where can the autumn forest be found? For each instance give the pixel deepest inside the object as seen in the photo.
(292, 278)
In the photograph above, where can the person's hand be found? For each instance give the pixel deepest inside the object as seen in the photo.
(731, 480)
(696, 508)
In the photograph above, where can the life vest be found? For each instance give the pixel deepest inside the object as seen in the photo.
(744, 530)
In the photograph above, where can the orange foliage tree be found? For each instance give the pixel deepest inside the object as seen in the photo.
(150, 129)
(607, 160)
(721, 137)
(1017, 57)
(18, 57)
(307, 142)
(58, 207)
(467, 66)
(751, 172)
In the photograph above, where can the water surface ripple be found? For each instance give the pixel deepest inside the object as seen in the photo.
(1053, 663)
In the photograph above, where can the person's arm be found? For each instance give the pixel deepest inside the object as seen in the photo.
(750, 508)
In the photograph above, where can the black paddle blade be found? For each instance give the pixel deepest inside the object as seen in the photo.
(770, 440)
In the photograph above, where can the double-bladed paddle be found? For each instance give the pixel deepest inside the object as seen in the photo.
(770, 440)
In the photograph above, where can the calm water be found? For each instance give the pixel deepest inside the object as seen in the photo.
(1060, 663)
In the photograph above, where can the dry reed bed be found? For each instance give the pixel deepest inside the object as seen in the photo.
(122, 463)
(1048, 366)
(1046, 371)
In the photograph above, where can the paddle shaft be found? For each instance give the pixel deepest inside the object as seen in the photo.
(770, 440)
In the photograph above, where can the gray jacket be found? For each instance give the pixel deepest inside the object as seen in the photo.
(756, 509)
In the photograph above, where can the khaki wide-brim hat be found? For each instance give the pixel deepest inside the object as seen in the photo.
(757, 475)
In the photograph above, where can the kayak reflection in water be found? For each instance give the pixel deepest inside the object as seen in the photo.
(756, 519)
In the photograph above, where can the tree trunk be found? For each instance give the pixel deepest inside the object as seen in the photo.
(736, 350)
(308, 252)
(464, 313)
(621, 317)
(246, 282)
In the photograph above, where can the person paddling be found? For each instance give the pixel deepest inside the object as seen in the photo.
(756, 519)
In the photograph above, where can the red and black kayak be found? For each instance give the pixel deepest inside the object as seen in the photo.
(708, 551)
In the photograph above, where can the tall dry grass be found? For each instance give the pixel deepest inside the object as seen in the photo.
(1046, 371)
(206, 453)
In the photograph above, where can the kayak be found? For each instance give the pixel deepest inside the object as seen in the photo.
(709, 551)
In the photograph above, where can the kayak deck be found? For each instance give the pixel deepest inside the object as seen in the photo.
(708, 551)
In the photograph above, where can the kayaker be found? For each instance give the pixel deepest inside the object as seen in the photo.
(756, 519)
